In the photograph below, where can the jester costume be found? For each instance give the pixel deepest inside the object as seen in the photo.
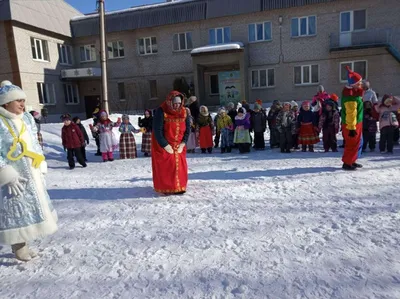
(352, 120)
(171, 128)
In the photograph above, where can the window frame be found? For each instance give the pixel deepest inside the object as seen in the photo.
(118, 49)
(352, 62)
(42, 47)
(68, 103)
(302, 75)
(179, 41)
(69, 62)
(46, 85)
(144, 45)
(91, 47)
(223, 35)
(255, 31)
(307, 25)
(352, 21)
(259, 81)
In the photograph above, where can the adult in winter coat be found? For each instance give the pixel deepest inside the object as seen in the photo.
(77, 121)
(194, 107)
(329, 124)
(147, 124)
(26, 212)
(387, 122)
(191, 142)
(72, 141)
(352, 120)
(272, 114)
(37, 117)
(205, 127)
(171, 128)
(369, 94)
(286, 126)
(258, 124)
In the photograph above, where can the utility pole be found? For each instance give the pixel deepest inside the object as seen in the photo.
(103, 57)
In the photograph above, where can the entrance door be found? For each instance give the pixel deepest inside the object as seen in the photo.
(91, 103)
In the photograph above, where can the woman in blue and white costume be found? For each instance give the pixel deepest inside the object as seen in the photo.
(26, 212)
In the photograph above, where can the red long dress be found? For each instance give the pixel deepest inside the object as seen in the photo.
(170, 171)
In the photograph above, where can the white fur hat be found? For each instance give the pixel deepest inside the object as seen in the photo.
(10, 93)
(294, 104)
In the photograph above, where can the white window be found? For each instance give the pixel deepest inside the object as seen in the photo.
(262, 78)
(353, 20)
(88, 53)
(40, 49)
(357, 66)
(260, 32)
(71, 94)
(65, 54)
(306, 74)
(121, 91)
(183, 41)
(115, 49)
(47, 93)
(147, 45)
(304, 26)
(219, 36)
(214, 85)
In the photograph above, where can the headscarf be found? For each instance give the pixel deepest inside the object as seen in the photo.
(167, 106)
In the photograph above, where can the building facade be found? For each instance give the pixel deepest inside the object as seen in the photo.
(227, 50)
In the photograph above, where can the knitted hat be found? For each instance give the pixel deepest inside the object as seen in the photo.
(65, 117)
(258, 101)
(287, 103)
(352, 77)
(103, 113)
(230, 105)
(221, 110)
(257, 106)
(276, 102)
(330, 103)
(294, 104)
(125, 116)
(334, 97)
(10, 92)
(305, 103)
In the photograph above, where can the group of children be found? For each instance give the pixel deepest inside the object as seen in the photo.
(75, 139)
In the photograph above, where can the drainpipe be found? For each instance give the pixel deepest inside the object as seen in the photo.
(103, 58)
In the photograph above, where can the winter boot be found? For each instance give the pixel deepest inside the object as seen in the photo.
(222, 150)
(203, 150)
(311, 148)
(304, 148)
(110, 156)
(146, 154)
(229, 149)
(21, 252)
(105, 157)
(210, 150)
(356, 165)
(348, 167)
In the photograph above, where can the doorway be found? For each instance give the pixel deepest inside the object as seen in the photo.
(91, 103)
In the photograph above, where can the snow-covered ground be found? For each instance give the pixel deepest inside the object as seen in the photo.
(261, 225)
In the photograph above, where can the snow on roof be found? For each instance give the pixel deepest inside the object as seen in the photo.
(135, 8)
(216, 48)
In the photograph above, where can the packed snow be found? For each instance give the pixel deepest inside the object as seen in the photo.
(260, 225)
(217, 48)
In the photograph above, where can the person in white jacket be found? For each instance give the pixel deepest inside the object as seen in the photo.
(369, 94)
(26, 212)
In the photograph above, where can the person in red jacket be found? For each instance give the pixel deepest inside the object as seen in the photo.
(72, 140)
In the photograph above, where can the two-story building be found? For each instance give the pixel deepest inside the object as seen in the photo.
(228, 50)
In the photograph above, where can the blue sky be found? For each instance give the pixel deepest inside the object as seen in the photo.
(87, 6)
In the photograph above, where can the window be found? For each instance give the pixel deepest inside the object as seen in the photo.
(40, 49)
(306, 74)
(183, 41)
(153, 89)
(115, 49)
(219, 35)
(121, 91)
(147, 45)
(262, 78)
(71, 94)
(47, 93)
(260, 32)
(214, 84)
(88, 53)
(353, 21)
(357, 66)
(304, 26)
(65, 54)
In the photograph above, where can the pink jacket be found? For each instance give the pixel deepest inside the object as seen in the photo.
(387, 115)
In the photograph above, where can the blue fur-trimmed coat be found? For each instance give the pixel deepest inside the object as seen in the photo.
(31, 215)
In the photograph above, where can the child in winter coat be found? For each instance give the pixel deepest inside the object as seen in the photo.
(77, 121)
(274, 133)
(108, 141)
(329, 123)
(242, 131)
(191, 143)
(295, 136)
(26, 211)
(147, 124)
(127, 142)
(286, 125)
(387, 122)
(205, 127)
(73, 141)
(258, 125)
(370, 127)
(306, 123)
(37, 117)
(225, 128)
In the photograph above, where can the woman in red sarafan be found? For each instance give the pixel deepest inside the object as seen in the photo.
(171, 128)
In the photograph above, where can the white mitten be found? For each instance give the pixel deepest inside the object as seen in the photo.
(181, 147)
(16, 187)
(169, 149)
